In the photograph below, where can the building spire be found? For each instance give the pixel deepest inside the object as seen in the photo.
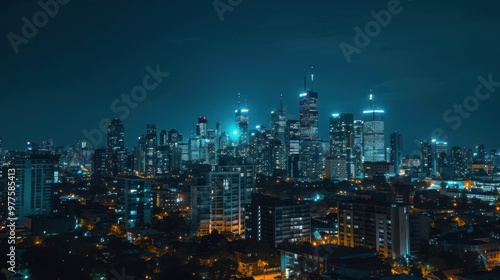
(371, 99)
(305, 83)
(239, 100)
(312, 78)
(281, 102)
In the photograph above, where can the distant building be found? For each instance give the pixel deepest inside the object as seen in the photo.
(373, 136)
(116, 147)
(336, 168)
(396, 151)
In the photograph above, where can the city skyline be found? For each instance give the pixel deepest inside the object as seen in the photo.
(413, 66)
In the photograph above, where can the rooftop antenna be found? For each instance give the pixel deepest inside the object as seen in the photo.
(305, 83)
(371, 99)
(312, 79)
(281, 102)
(239, 100)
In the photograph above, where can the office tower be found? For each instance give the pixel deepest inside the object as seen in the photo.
(426, 157)
(174, 136)
(151, 143)
(201, 127)
(194, 149)
(241, 119)
(375, 225)
(341, 135)
(373, 134)
(116, 146)
(396, 151)
(293, 148)
(309, 115)
(279, 133)
(310, 159)
(357, 153)
(226, 206)
(140, 155)
(163, 138)
(480, 154)
(342, 139)
(200, 207)
(440, 156)
(457, 161)
(136, 200)
(162, 159)
(35, 191)
(276, 221)
(101, 162)
(336, 168)
(1, 147)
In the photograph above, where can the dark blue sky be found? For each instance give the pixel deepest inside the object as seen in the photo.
(423, 62)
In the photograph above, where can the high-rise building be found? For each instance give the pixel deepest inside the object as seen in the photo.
(341, 135)
(101, 162)
(140, 155)
(342, 139)
(293, 146)
(480, 154)
(426, 158)
(457, 161)
(35, 191)
(396, 151)
(116, 146)
(279, 133)
(375, 225)
(440, 156)
(163, 138)
(336, 168)
(241, 119)
(226, 206)
(136, 200)
(201, 127)
(151, 144)
(276, 221)
(373, 136)
(309, 115)
(310, 159)
(357, 153)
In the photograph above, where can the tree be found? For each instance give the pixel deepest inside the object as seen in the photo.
(223, 269)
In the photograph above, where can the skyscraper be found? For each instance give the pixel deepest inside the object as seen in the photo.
(341, 135)
(241, 119)
(116, 146)
(373, 135)
(151, 143)
(279, 133)
(309, 115)
(357, 153)
(201, 127)
(396, 151)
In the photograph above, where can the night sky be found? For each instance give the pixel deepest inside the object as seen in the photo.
(429, 57)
